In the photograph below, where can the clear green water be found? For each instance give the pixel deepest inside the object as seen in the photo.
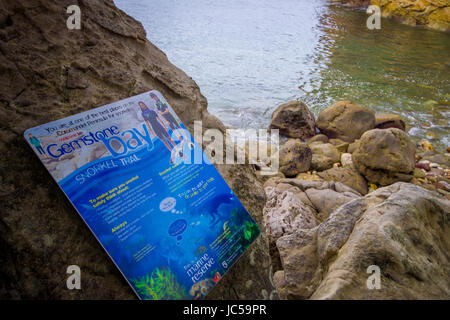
(250, 56)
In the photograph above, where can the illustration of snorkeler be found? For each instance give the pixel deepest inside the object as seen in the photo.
(154, 123)
(173, 123)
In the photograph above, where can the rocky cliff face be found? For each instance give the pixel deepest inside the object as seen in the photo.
(433, 14)
(48, 72)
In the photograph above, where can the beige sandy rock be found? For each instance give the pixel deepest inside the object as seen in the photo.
(345, 120)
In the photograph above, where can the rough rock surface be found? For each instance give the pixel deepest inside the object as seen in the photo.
(294, 157)
(386, 120)
(294, 120)
(345, 120)
(385, 156)
(433, 14)
(324, 155)
(403, 229)
(49, 72)
(347, 175)
(294, 204)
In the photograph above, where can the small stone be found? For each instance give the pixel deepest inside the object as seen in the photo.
(419, 173)
(424, 166)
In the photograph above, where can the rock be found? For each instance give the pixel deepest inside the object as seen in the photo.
(318, 138)
(294, 120)
(345, 120)
(385, 121)
(294, 204)
(423, 165)
(342, 146)
(443, 185)
(327, 200)
(109, 59)
(442, 159)
(425, 146)
(419, 173)
(294, 157)
(324, 155)
(403, 229)
(76, 79)
(433, 14)
(284, 213)
(385, 156)
(346, 175)
(353, 146)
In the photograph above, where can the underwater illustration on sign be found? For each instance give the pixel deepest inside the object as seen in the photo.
(172, 227)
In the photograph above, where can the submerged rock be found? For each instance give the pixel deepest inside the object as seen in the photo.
(402, 229)
(294, 120)
(345, 120)
(385, 156)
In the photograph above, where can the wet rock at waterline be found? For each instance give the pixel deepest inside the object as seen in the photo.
(345, 120)
(385, 156)
(402, 229)
(385, 121)
(294, 120)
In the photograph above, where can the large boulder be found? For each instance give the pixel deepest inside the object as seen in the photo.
(294, 204)
(324, 155)
(345, 120)
(50, 72)
(403, 230)
(385, 156)
(294, 120)
(294, 158)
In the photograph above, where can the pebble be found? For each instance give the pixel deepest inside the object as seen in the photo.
(434, 165)
(423, 166)
(443, 186)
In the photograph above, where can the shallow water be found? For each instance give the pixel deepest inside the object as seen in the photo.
(250, 56)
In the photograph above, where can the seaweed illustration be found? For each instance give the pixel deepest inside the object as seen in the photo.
(251, 231)
(161, 284)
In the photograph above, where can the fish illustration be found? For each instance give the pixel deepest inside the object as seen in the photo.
(211, 207)
(200, 251)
